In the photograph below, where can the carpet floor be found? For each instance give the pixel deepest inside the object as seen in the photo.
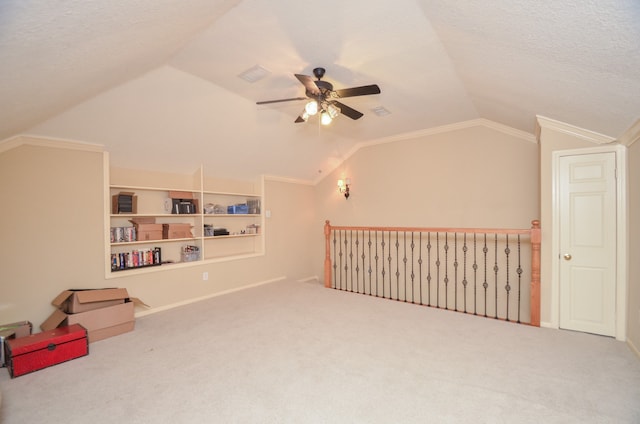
(295, 352)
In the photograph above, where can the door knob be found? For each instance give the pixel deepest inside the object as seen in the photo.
(567, 257)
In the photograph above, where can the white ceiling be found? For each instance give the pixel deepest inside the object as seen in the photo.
(156, 81)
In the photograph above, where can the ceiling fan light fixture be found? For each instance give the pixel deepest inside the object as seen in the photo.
(325, 118)
(333, 111)
(321, 97)
(312, 107)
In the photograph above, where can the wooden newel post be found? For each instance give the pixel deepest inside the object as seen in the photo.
(536, 238)
(327, 254)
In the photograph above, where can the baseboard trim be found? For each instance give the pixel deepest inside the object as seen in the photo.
(633, 348)
(312, 279)
(209, 296)
(548, 325)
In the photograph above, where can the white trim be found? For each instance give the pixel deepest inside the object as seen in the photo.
(546, 324)
(311, 279)
(631, 135)
(106, 210)
(35, 140)
(481, 122)
(622, 237)
(573, 131)
(633, 348)
(209, 296)
(287, 180)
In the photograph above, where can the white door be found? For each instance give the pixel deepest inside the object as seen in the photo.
(588, 243)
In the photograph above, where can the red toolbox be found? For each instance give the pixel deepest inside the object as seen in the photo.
(42, 350)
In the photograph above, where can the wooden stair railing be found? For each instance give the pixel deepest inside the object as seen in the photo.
(453, 264)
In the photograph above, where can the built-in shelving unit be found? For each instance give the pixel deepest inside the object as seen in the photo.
(237, 234)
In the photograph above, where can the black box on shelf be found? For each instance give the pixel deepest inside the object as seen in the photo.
(124, 202)
(184, 206)
(220, 232)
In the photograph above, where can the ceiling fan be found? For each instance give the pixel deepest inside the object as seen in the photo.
(323, 98)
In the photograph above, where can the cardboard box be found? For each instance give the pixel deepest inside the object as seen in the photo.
(12, 331)
(42, 350)
(81, 300)
(176, 231)
(147, 229)
(174, 194)
(148, 235)
(101, 323)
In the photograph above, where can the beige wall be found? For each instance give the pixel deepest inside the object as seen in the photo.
(51, 227)
(472, 177)
(633, 323)
(52, 237)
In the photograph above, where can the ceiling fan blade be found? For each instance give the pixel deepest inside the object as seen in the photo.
(309, 84)
(300, 119)
(281, 100)
(357, 91)
(348, 111)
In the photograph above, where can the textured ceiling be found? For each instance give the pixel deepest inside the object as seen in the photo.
(156, 81)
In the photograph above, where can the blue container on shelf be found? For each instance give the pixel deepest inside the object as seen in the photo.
(238, 209)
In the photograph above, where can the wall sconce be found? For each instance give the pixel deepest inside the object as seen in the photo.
(343, 187)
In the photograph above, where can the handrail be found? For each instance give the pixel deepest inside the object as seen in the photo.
(535, 239)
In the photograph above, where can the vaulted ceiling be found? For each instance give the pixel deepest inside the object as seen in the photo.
(157, 81)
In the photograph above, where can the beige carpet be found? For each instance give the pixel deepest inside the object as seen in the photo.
(291, 352)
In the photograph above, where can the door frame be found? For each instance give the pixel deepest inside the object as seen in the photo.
(621, 234)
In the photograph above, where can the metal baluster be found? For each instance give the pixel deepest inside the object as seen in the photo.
(485, 284)
(507, 287)
(438, 270)
(348, 248)
(464, 271)
(455, 270)
(370, 269)
(377, 257)
(404, 260)
(383, 271)
(446, 270)
(397, 267)
(420, 264)
(429, 269)
(495, 270)
(340, 255)
(413, 274)
(335, 260)
(519, 271)
(475, 275)
(357, 263)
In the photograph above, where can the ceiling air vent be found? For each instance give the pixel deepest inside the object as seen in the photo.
(380, 111)
(254, 74)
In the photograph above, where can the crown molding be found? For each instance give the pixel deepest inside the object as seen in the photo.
(40, 141)
(287, 180)
(572, 130)
(480, 122)
(631, 135)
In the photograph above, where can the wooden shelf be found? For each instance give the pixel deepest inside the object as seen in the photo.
(151, 202)
(133, 243)
(230, 236)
